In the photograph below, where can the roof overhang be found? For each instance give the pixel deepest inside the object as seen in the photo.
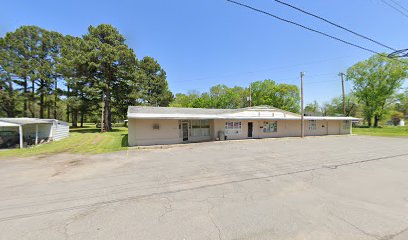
(25, 121)
(6, 124)
(215, 117)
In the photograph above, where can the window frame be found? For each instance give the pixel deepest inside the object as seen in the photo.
(312, 124)
(267, 126)
(346, 124)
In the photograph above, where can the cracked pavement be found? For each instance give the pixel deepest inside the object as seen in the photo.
(334, 187)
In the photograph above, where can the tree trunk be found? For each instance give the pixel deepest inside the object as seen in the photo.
(75, 119)
(55, 98)
(10, 106)
(82, 118)
(48, 110)
(376, 120)
(25, 114)
(369, 122)
(42, 94)
(107, 111)
(32, 98)
(67, 104)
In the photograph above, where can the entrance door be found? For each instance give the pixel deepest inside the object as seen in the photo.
(250, 128)
(185, 131)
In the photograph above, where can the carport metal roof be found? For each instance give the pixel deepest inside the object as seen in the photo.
(9, 122)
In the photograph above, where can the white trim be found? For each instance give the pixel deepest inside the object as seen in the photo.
(214, 117)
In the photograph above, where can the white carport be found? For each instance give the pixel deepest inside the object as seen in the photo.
(11, 125)
(33, 129)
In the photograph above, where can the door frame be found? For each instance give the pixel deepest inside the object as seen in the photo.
(184, 137)
(250, 134)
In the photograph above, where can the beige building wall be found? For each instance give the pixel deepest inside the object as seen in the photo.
(141, 131)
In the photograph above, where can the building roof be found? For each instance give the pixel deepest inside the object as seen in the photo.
(250, 113)
(6, 122)
(176, 110)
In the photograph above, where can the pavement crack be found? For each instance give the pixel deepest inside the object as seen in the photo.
(358, 228)
(212, 220)
(75, 218)
(167, 208)
(392, 236)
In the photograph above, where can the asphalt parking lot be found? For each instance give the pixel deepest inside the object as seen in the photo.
(339, 187)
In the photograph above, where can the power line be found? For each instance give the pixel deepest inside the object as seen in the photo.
(399, 5)
(313, 30)
(335, 24)
(303, 26)
(393, 7)
(283, 68)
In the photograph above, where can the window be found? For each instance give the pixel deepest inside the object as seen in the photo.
(312, 125)
(270, 127)
(233, 128)
(200, 128)
(346, 125)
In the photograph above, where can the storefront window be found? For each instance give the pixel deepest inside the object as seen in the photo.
(232, 128)
(270, 126)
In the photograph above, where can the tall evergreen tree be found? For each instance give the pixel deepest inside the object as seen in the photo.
(109, 62)
(153, 85)
(19, 56)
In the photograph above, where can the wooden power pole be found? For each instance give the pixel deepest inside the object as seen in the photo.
(250, 94)
(302, 128)
(344, 94)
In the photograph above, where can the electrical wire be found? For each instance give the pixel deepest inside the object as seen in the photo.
(303, 26)
(395, 8)
(335, 24)
(399, 5)
(313, 30)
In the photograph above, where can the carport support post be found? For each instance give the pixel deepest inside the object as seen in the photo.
(36, 134)
(20, 133)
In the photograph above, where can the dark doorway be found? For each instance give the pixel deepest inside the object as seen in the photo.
(250, 128)
(185, 131)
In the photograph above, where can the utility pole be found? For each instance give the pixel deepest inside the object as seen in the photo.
(302, 130)
(344, 94)
(250, 94)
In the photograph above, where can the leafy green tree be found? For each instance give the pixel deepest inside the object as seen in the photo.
(283, 96)
(152, 83)
(335, 107)
(375, 82)
(402, 103)
(185, 100)
(313, 108)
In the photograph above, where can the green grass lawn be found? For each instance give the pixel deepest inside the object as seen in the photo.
(387, 131)
(81, 140)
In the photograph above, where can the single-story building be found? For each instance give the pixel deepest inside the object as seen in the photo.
(167, 125)
(31, 131)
